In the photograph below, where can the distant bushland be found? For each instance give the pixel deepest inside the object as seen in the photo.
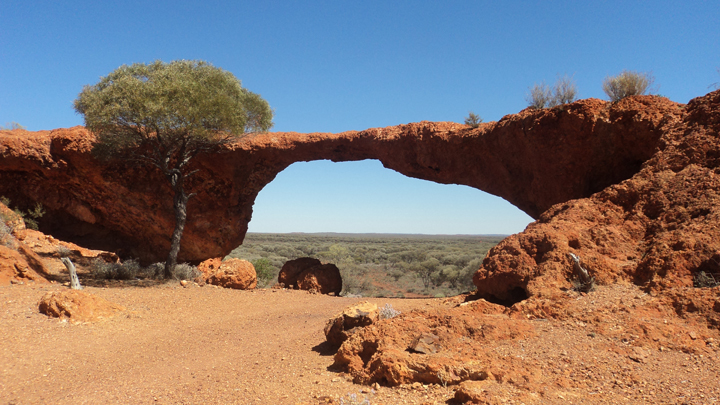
(377, 265)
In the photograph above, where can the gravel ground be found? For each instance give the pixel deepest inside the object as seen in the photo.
(208, 345)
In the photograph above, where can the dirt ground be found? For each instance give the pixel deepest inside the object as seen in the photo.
(209, 345)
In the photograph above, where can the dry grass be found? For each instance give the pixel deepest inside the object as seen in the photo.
(627, 83)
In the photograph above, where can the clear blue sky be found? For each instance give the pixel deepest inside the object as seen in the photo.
(332, 66)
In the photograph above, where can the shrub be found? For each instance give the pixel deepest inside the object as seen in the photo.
(127, 270)
(63, 251)
(388, 312)
(264, 271)
(627, 83)
(473, 120)
(540, 96)
(565, 91)
(185, 271)
(11, 126)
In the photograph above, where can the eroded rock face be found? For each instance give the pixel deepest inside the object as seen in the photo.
(533, 159)
(657, 229)
(345, 324)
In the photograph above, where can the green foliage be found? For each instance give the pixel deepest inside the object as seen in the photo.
(627, 83)
(378, 265)
(264, 270)
(30, 218)
(189, 104)
(11, 126)
(473, 120)
(164, 114)
(542, 96)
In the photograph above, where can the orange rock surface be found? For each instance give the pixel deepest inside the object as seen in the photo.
(533, 159)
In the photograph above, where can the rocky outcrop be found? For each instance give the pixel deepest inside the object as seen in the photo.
(657, 229)
(345, 324)
(232, 273)
(77, 305)
(18, 261)
(533, 159)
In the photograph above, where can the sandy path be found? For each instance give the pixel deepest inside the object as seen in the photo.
(179, 346)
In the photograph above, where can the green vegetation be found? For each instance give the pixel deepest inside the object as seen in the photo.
(377, 265)
(473, 120)
(164, 114)
(627, 83)
(542, 96)
(30, 218)
(131, 270)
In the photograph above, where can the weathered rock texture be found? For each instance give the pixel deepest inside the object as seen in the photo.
(533, 159)
(18, 261)
(77, 305)
(323, 279)
(232, 273)
(290, 271)
(657, 229)
(346, 323)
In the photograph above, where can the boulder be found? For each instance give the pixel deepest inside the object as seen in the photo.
(290, 271)
(323, 279)
(344, 324)
(77, 305)
(232, 273)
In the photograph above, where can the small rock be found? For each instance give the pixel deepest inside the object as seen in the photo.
(427, 343)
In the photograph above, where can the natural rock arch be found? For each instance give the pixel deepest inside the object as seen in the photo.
(533, 159)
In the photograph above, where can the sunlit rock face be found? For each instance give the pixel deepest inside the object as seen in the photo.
(534, 159)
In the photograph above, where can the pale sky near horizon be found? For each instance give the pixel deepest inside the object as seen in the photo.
(333, 66)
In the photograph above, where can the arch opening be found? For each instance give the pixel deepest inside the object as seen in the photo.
(390, 235)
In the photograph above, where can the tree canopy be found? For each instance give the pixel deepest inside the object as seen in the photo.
(181, 103)
(166, 113)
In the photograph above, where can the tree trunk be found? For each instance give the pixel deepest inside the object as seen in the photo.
(180, 201)
(74, 281)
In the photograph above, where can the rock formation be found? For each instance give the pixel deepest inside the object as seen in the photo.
(533, 159)
(77, 305)
(232, 273)
(657, 229)
(346, 323)
(290, 271)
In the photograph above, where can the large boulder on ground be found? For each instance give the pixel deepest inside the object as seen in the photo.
(232, 273)
(78, 305)
(323, 279)
(344, 324)
(292, 268)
